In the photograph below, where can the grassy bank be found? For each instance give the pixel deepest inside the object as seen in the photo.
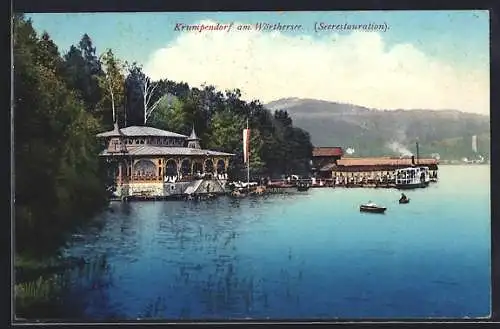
(38, 286)
(43, 286)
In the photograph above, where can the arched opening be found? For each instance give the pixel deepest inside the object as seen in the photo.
(221, 167)
(197, 168)
(186, 167)
(144, 169)
(209, 166)
(171, 169)
(126, 169)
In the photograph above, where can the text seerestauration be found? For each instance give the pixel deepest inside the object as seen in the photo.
(370, 27)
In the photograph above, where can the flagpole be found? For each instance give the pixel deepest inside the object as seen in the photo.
(248, 161)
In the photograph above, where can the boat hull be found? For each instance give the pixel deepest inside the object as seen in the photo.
(404, 201)
(376, 210)
(411, 186)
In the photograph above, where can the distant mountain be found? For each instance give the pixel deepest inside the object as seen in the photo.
(373, 132)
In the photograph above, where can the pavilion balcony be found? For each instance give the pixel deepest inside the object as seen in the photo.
(142, 179)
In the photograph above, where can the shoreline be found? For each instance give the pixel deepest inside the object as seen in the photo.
(269, 191)
(464, 164)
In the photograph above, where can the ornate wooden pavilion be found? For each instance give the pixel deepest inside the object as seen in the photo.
(145, 154)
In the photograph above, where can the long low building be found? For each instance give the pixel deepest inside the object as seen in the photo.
(375, 168)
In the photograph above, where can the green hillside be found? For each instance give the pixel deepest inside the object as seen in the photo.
(372, 132)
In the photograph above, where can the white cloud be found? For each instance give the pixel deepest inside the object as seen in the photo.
(357, 68)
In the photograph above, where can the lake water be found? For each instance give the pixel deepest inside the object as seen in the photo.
(307, 255)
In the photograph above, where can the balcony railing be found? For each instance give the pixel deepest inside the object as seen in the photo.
(141, 178)
(155, 178)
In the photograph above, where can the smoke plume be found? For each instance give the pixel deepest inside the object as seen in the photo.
(399, 148)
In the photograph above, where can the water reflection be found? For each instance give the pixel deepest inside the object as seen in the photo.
(85, 286)
(188, 255)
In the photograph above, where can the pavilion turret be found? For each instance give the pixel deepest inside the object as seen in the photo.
(116, 141)
(193, 140)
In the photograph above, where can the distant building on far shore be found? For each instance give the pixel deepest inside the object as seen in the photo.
(325, 155)
(351, 167)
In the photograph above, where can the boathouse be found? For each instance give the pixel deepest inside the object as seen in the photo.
(375, 168)
(321, 156)
(147, 160)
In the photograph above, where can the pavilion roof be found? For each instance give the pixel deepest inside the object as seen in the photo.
(166, 150)
(141, 131)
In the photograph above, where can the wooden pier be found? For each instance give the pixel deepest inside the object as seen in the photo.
(173, 197)
(273, 188)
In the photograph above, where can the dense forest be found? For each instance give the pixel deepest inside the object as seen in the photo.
(63, 99)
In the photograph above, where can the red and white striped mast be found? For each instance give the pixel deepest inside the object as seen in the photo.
(246, 151)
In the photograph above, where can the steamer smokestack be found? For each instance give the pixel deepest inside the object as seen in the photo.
(417, 153)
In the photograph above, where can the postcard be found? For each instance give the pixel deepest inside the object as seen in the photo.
(217, 166)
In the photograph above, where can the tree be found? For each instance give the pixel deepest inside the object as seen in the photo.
(256, 162)
(48, 54)
(83, 70)
(169, 113)
(299, 158)
(282, 117)
(133, 96)
(226, 132)
(113, 82)
(57, 173)
(93, 63)
(143, 95)
(148, 91)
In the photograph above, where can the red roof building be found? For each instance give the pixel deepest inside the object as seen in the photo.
(327, 152)
(325, 155)
(379, 164)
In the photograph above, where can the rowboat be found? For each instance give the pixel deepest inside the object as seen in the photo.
(372, 207)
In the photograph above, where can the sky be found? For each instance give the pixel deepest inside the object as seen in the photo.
(415, 59)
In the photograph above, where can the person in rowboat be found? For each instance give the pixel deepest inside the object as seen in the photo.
(403, 197)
